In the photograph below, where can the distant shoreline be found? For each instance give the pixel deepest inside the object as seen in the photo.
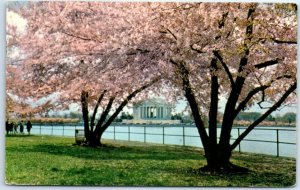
(265, 124)
(241, 123)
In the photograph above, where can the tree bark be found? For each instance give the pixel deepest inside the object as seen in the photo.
(85, 113)
(212, 152)
(213, 111)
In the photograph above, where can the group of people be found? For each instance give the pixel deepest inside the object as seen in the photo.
(13, 127)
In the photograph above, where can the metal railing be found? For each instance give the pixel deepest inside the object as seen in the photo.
(277, 141)
(160, 131)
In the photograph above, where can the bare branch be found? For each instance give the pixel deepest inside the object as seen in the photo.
(243, 104)
(96, 109)
(249, 35)
(217, 54)
(256, 90)
(79, 37)
(104, 114)
(264, 116)
(262, 99)
(222, 21)
(174, 36)
(267, 63)
(278, 41)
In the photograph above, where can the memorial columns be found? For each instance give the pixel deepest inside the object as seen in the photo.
(149, 110)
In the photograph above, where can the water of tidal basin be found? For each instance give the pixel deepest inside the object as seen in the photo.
(173, 135)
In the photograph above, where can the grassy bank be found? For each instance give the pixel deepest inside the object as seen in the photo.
(45, 160)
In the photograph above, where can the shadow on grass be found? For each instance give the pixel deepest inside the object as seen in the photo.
(148, 165)
(18, 135)
(111, 152)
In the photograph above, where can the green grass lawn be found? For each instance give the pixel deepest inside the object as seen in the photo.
(46, 160)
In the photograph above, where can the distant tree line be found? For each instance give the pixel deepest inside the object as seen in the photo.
(289, 117)
(124, 115)
(183, 118)
(78, 115)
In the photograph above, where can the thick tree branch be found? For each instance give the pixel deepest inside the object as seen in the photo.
(237, 87)
(243, 104)
(217, 54)
(213, 110)
(85, 111)
(104, 114)
(267, 63)
(278, 41)
(184, 74)
(96, 109)
(264, 116)
(256, 90)
(222, 21)
(249, 35)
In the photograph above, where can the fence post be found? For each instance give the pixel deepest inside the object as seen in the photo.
(114, 132)
(238, 137)
(183, 136)
(128, 132)
(144, 133)
(40, 129)
(163, 127)
(64, 129)
(277, 142)
(52, 129)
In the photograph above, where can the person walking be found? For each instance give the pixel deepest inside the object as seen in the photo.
(29, 126)
(7, 125)
(21, 127)
(15, 126)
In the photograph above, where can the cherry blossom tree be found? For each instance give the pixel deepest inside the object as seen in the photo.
(105, 53)
(80, 52)
(243, 52)
(16, 106)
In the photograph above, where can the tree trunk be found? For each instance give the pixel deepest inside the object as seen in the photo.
(94, 139)
(218, 161)
(213, 113)
(85, 113)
